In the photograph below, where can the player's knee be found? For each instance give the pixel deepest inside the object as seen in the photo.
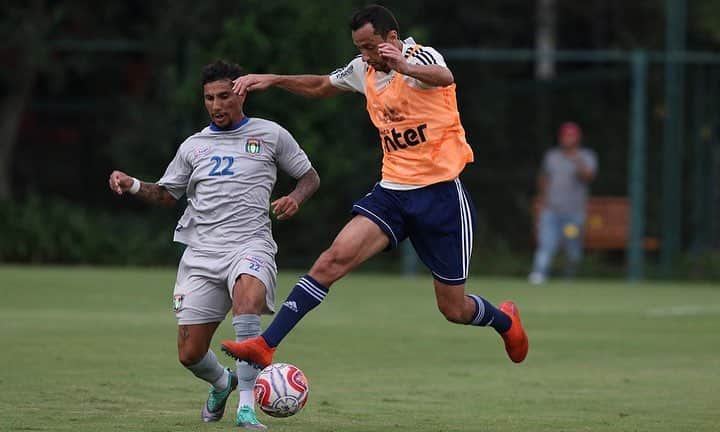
(248, 304)
(248, 296)
(188, 356)
(332, 264)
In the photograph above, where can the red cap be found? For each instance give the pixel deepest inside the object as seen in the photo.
(569, 128)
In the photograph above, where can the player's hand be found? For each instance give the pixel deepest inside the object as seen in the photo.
(120, 182)
(393, 57)
(285, 207)
(252, 82)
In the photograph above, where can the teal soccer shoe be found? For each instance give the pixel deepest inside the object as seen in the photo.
(214, 408)
(246, 419)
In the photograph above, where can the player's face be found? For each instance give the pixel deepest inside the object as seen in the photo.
(367, 41)
(224, 106)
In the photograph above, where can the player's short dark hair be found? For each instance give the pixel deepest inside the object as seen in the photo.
(382, 20)
(221, 70)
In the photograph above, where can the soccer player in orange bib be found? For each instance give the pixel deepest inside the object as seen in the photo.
(410, 95)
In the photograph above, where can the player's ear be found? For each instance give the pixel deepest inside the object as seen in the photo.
(392, 36)
(241, 98)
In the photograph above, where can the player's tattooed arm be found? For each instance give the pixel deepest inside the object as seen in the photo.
(155, 194)
(121, 183)
(287, 206)
(306, 186)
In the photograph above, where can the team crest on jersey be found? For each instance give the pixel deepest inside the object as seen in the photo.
(178, 301)
(387, 113)
(252, 146)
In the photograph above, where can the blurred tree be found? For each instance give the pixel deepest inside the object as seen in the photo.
(23, 33)
(49, 46)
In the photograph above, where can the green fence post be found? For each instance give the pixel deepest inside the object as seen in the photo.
(702, 195)
(673, 134)
(636, 169)
(714, 150)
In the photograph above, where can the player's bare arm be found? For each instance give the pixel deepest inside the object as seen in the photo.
(121, 183)
(287, 206)
(313, 86)
(434, 75)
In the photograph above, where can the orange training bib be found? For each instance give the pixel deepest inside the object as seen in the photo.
(421, 135)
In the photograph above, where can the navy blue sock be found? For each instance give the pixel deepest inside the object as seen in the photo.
(488, 315)
(303, 298)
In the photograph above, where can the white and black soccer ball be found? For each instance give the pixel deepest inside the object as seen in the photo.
(281, 390)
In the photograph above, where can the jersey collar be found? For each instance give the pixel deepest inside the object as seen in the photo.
(236, 126)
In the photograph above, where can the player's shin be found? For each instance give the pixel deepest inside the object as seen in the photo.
(246, 326)
(304, 297)
(210, 370)
(486, 314)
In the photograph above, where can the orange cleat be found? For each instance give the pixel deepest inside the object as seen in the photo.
(255, 351)
(516, 341)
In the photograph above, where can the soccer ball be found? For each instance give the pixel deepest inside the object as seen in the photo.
(281, 390)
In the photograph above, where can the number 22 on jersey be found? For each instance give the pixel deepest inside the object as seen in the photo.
(226, 162)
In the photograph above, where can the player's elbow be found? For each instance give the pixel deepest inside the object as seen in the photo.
(168, 200)
(325, 92)
(446, 78)
(324, 88)
(313, 180)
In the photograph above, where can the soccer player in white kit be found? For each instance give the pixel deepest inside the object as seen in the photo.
(227, 172)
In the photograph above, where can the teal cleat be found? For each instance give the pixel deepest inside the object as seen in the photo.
(246, 419)
(214, 408)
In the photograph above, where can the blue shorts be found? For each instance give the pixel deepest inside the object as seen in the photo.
(439, 220)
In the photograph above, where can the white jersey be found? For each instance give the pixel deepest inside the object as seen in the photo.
(228, 177)
(352, 76)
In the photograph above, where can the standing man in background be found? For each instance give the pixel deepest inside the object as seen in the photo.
(227, 172)
(563, 186)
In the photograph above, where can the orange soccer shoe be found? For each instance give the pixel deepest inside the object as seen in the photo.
(254, 351)
(516, 341)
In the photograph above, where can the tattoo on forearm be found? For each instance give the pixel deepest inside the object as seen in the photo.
(306, 186)
(183, 333)
(154, 194)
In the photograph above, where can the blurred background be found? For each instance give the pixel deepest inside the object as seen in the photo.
(88, 89)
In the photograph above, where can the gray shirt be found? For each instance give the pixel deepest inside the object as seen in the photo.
(566, 192)
(228, 177)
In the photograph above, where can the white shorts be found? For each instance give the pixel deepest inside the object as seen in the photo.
(205, 280)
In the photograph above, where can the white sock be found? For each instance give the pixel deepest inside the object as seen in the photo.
(247, 398)
(221, 383)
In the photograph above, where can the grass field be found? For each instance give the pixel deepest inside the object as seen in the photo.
(94, 350)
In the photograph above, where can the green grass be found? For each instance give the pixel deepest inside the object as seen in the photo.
(94, 350)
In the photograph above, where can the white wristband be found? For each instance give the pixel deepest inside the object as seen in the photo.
(135, 186)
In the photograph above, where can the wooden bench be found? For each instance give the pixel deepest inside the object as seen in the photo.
(607, 226)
